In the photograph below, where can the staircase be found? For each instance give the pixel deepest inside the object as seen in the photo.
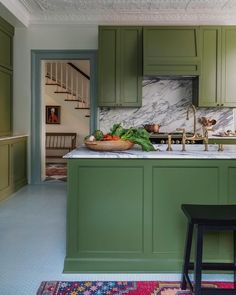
(68, 79)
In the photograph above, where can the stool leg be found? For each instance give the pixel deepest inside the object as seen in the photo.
(187, 252)
(234, 259)
(198, 260)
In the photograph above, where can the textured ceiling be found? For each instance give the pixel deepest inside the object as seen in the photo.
(130, 11)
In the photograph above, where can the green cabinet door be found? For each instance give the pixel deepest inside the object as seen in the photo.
(120, 66)
(107, 66)
(210, 78)
(217, 85)
(171, 51)
(5, 101)
(19, 163)
(13, 168)
(5, 177)
(229, 66)
(6, 35)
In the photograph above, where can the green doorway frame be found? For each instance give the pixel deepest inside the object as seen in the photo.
(37, 56)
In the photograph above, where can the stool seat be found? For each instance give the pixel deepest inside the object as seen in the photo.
(206, 218)
(210, 214)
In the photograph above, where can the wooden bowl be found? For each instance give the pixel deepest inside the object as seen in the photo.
(109, 145)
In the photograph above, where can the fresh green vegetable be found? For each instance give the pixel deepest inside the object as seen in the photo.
(118, 130)
(98, 134)
(139, 136)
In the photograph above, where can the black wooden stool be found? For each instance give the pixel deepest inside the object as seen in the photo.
(207, 218)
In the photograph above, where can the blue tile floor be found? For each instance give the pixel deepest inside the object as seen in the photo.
(32, 242)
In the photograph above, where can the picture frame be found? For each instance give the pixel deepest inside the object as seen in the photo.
(53, 114)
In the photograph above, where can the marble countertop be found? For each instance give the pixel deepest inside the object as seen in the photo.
(13, 137)
(192, 152)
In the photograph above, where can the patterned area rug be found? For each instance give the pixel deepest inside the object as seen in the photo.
(119, 288)
(56, 171)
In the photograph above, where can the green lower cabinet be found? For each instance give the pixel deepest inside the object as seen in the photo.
(5, 177)
(125, 215)
(19, 162)
(13, 168)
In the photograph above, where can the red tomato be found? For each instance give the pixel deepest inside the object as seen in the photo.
(115, 137)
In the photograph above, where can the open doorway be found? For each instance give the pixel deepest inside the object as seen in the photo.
(60, 104)
(66, 101)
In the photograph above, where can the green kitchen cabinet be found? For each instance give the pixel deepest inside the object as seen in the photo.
(6, 40)
(5, 169)
(19, 163)
(229, 66)
(171, 51)
(5, 101)
(120, 67)
(6, 67)
(130, 219)
(217, 85)
(13, 168)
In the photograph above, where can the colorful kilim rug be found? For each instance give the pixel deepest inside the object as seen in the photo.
(119, 288)
(56, 171)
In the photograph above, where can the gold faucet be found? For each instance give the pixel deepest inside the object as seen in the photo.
(183, 138)
(194, 117)
(169, 148)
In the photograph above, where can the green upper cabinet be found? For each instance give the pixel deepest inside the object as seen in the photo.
(210, 78)
(6, 39)
(217, 85)
(120, 66)
(228, 66)
(171, 51)
(5, 102)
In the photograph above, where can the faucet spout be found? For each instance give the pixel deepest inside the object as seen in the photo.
(194, 117)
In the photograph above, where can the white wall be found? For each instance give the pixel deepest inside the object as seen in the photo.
(72, 120)
(42, 37)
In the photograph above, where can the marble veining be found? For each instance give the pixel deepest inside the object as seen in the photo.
(165, 102)
(192, 152)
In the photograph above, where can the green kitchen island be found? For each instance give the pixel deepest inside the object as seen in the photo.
(124, 208)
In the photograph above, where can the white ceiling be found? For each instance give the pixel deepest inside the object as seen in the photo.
(138, 12)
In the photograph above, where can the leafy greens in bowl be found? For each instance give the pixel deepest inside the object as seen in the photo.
(136, 135)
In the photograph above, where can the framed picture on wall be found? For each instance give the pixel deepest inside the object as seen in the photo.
(53, 115)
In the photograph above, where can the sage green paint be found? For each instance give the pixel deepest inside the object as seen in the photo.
(120, 66)
(19, 163)
(4, 168)
(5, 102)
(6, 39)
(13, 168)
(217, 80)
(229, 66)
(171, 51)
(210, 78)
(124, 215)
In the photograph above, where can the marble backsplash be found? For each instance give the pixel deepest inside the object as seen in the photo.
(166, 102)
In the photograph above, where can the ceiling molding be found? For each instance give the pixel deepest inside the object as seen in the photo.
(124, 12)
(17, 10)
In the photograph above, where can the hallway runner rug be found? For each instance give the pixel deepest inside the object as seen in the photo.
(119, 288)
